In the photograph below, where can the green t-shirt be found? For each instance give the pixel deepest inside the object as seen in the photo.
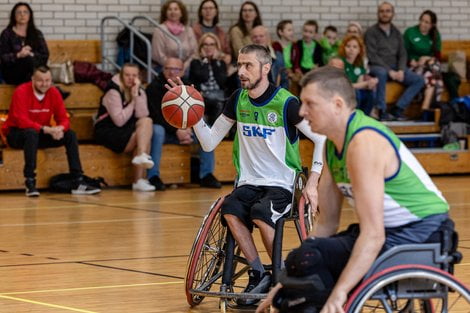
(353, 72)
(307, 57)
(409, 194)
(329, 50)
(286, 53)
(418, 45)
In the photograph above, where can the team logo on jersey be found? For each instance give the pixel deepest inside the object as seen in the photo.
(272, 117)
(357, 71)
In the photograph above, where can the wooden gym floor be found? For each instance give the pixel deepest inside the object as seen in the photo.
(126, 252)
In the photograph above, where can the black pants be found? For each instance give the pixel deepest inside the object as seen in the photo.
(19, 72)
(30, 141)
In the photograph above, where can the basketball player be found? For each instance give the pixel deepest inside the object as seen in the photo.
(266, 157)
(394, 199)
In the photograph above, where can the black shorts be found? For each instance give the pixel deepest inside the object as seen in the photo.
(264, 203)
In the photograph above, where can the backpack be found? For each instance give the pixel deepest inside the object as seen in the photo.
(64, 183)
(458, 110)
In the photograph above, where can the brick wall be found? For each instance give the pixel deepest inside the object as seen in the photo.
(80, 19)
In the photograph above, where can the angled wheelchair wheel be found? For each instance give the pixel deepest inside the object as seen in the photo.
(410, 289)
(207, 256)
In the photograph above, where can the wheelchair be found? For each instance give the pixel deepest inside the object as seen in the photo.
(216, 266)
(413, 278)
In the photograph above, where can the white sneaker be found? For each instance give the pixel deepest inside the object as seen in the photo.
(143, 185)
(143, 160)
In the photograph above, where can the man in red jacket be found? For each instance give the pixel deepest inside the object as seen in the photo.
(34, 106)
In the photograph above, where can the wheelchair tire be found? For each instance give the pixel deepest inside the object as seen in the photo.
(410, 289)
(207, 255)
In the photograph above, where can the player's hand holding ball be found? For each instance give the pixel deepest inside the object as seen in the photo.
(182, 105)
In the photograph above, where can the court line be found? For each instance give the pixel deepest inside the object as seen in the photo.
(91, 288)
(46, 304)
(130, 270)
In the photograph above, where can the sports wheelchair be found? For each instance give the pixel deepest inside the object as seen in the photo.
(406, 279)
(216, 266)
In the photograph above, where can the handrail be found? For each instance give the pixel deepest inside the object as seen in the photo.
(132, 32)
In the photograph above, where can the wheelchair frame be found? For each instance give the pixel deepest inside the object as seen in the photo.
(215, 258)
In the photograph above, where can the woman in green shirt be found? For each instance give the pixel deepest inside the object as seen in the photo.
(423, 45)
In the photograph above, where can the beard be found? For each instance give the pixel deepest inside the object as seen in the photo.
(248, 85)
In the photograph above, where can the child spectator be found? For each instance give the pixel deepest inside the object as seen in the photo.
(354, 28)
(330, 43)
(309, 54)
(285, 32)
(352, 52)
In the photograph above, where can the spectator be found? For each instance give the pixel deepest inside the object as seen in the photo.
(165, 133)
(352, 52)
(123, 124)
(239, 33)
(309, 53)
(208, 18)
(22, 46)
(277, 75)
(354, 28)
(208, 73)
(285, 32)
(173, 20)
(330, 43)
(387, 60)
(29, 126)
(423, 45)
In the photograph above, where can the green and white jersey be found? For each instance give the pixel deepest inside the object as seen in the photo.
(410, 195)
(263, 154)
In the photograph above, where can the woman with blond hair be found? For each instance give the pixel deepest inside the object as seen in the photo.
(208, 73)
(123, 125)
(353, 51)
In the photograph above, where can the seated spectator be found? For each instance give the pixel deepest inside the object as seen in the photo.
(208, 73)
(285, 32)
(239, 34)
(329, 43)
(387, 60)
(123, 125)
(278, 74)
(354, 28)
(22, 46)
(309, 53)
(165, 133)
(173, 20)
(208, 18)
(423, 45)
(29, 126)
(352, 52)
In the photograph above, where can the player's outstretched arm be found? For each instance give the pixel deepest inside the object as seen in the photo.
(210, 137)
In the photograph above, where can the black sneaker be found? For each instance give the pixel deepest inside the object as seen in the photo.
(84, 189)
(209, 181)
(397, 112)
(157, 182)
(31, 190)
(258, 283)
(384, 116)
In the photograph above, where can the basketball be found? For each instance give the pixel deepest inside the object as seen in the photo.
(182, 106)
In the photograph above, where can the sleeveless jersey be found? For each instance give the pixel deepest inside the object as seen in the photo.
(410, 195)
(263, 154)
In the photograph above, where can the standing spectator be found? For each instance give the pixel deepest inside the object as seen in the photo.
(165, 133)
(387, 60)
(330, 43)
(352, 52)
(277, 75)
(239, 33)
(174, 20)
(309, 53)
(285, 32)
(354, 28)
(22, 46)
(423, 45)
(29, 126)
(123, 124)
(208, 73)
(208, 18)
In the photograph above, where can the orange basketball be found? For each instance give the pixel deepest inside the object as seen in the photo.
(182, 106)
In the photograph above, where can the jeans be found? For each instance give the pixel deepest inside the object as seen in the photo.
(413, 82)
(365, 100)
(30, 140)
(160, 137)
